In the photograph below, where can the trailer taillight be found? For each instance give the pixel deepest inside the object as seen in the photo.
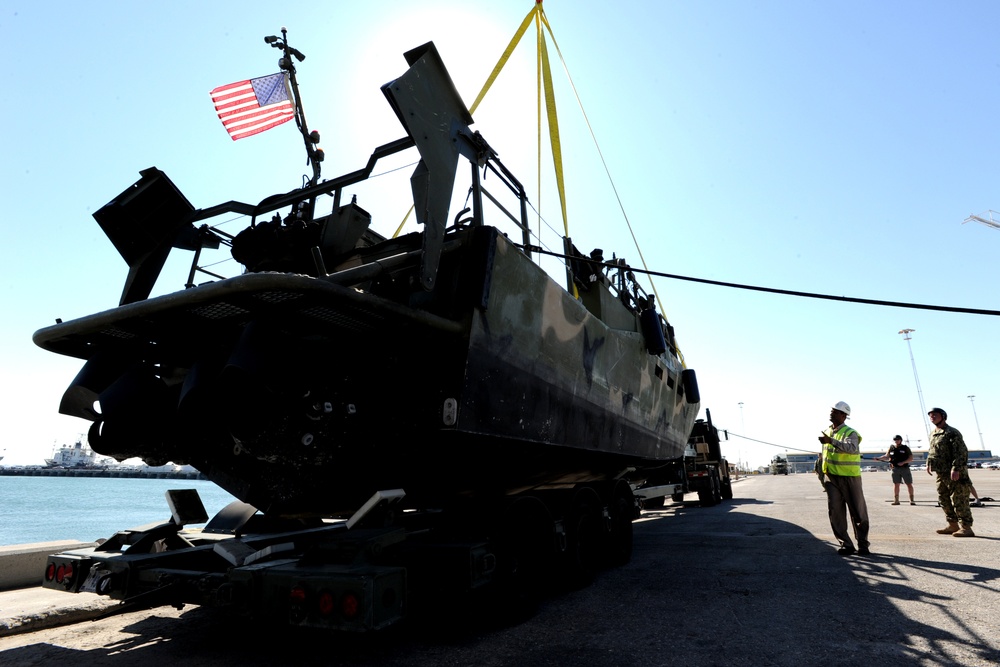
(326, 603)
(64, 573)
(297, 595)
(350, 605)
(297, 604)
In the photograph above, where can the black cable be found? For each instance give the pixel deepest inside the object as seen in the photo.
(773, 290)
(771, 444)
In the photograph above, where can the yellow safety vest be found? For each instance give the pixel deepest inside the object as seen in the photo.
(836, 462)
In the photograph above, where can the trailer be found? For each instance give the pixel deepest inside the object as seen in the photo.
(363, 574)
(702, 470)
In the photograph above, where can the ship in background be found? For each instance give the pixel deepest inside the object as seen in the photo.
(79, 455)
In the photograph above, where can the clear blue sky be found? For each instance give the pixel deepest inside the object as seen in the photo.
(830, 147)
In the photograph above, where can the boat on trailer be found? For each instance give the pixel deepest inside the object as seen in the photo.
(445, 362)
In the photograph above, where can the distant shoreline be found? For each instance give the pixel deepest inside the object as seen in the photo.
(134, 473)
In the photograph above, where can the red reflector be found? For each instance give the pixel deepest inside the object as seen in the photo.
(50, 572)
(60, 574)
(69, 571)
(297, 595)
(349, 605)
(325, 603)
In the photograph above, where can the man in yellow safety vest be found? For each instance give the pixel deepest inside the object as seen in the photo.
(841, 470)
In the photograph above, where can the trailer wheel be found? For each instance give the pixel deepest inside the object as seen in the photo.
(621, 512)
(584, 537)
(727, 489)
(524, 549)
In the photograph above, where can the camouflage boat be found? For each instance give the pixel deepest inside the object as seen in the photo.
(445, 362)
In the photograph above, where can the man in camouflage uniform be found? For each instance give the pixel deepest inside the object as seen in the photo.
(948, 457)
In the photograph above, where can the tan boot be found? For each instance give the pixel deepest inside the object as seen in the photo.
(912, 502)
(895, 501)
(965, 532)
(951, 528)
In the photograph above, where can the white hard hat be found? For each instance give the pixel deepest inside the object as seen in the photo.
(843, 407)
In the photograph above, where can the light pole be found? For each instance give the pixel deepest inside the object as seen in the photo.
(923, 412)
(972, 400)
(743, 424)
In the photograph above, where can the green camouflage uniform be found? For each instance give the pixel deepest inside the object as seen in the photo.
(948, 454)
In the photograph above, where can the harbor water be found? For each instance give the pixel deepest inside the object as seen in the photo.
(43, 509)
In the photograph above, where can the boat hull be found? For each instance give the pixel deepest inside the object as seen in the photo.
(303, 396)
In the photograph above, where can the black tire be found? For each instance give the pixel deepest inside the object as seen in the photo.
(727, 489)
(525, 548)
(710, 495)
(716, 487)
(585, 538)
(621, 511)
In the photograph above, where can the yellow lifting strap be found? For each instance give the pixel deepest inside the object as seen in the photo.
(537, 15)
(504, 58)
(403, 222)
(489, 82)
(553, 121)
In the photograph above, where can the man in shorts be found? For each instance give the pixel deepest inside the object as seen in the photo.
(899, 457)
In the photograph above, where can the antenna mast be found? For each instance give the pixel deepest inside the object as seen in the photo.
(314, 154)
(987, 219)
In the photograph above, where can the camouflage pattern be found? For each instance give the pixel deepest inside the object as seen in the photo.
(558, 373)
(947, 451)
(947, 454)
(954, 498)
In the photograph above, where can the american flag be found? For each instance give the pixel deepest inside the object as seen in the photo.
(249, 107)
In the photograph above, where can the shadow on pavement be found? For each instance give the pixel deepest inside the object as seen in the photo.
(706, 586)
